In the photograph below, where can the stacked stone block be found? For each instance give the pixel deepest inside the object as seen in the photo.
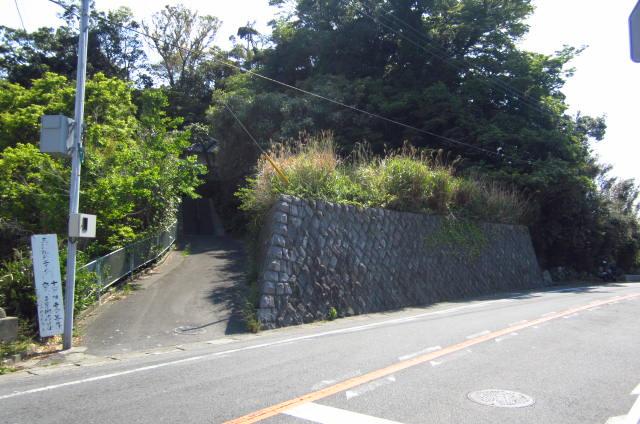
(316, 256)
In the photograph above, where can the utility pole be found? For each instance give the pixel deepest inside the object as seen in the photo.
(74, 191)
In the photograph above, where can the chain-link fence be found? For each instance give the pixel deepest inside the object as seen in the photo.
(123, 262)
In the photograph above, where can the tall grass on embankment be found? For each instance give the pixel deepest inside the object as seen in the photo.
(405, 180)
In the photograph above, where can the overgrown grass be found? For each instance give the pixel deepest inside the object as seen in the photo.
(407, 180)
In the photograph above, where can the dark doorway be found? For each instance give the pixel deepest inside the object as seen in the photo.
(197, 216)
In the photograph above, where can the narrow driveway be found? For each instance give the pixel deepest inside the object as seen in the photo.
(192, 296)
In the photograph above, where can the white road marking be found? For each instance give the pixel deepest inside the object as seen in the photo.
(369, 387)
(221, 341)
(450, 357)
(570, 316)
(262, 345)
(544, 324)
(253, 347)
(633, 417)
(418, 353)
(499, 339)
(101, 377)
(326, 383)
(323, 414)
(482, 333)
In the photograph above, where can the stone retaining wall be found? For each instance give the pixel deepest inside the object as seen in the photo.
(315, 256)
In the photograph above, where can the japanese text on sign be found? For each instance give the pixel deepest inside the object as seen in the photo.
(46, 271)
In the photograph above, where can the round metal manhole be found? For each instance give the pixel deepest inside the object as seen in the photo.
(189, 330)
(501, 398)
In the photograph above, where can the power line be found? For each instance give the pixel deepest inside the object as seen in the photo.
(242, 126)
(275, 166)
(20, 15)
(319, 96)
(436, 51)
(354, 108)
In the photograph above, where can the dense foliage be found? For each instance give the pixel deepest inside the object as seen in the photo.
(134, 172)
(437, 75)
(441, 69)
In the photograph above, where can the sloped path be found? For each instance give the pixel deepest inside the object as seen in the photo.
(191, 297)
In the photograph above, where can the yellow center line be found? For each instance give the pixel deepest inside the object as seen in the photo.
(399, 366)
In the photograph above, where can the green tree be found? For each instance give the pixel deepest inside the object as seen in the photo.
(113, 49)
(134, 171)
(450, 68)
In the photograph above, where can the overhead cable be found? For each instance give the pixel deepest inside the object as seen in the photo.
(240, 68)
(437, 52)
(20, 15)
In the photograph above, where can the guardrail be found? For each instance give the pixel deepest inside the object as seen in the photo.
(123, 262)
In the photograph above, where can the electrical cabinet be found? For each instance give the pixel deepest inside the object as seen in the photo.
(56, 134)
(82, 225)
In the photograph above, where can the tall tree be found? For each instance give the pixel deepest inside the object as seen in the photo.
(113, 50)
(183, 39)
(451, 69)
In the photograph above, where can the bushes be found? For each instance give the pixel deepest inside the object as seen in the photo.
(17, 293)
(402, 181)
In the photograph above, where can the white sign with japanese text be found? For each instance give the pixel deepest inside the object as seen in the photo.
(46, 271)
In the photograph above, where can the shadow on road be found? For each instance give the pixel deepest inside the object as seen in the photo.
(229, 254)
(195, 295)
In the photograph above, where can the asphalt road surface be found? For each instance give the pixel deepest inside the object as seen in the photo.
(192, 296)
(569, 355)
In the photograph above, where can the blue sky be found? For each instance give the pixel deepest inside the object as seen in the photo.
(606, 81)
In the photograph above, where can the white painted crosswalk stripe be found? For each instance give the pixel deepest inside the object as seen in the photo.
(323, 414)
(633, 417)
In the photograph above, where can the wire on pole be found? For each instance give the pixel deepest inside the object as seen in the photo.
(240, 68)
(20, 15)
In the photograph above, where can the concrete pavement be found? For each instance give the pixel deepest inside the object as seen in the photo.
(573, 351)
(192, 296)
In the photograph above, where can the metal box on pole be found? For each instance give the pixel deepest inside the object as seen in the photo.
(82, 225)
(56, 134)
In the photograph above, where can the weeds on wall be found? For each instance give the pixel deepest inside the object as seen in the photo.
(460, 238)
(407, 180)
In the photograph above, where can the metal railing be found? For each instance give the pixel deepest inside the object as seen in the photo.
(123, 262)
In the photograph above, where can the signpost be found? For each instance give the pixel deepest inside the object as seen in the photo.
(63, 136)
(46, 272)
(634, 29)
(74, 192)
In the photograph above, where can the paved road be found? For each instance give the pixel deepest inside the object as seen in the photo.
(574, 352)
(190, 297)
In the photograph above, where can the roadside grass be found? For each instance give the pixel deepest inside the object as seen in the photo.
(406, 180)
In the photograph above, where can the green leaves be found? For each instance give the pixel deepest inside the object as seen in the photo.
(134, 172)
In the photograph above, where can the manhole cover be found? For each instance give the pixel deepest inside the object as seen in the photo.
(501, 398)
(188, 330)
